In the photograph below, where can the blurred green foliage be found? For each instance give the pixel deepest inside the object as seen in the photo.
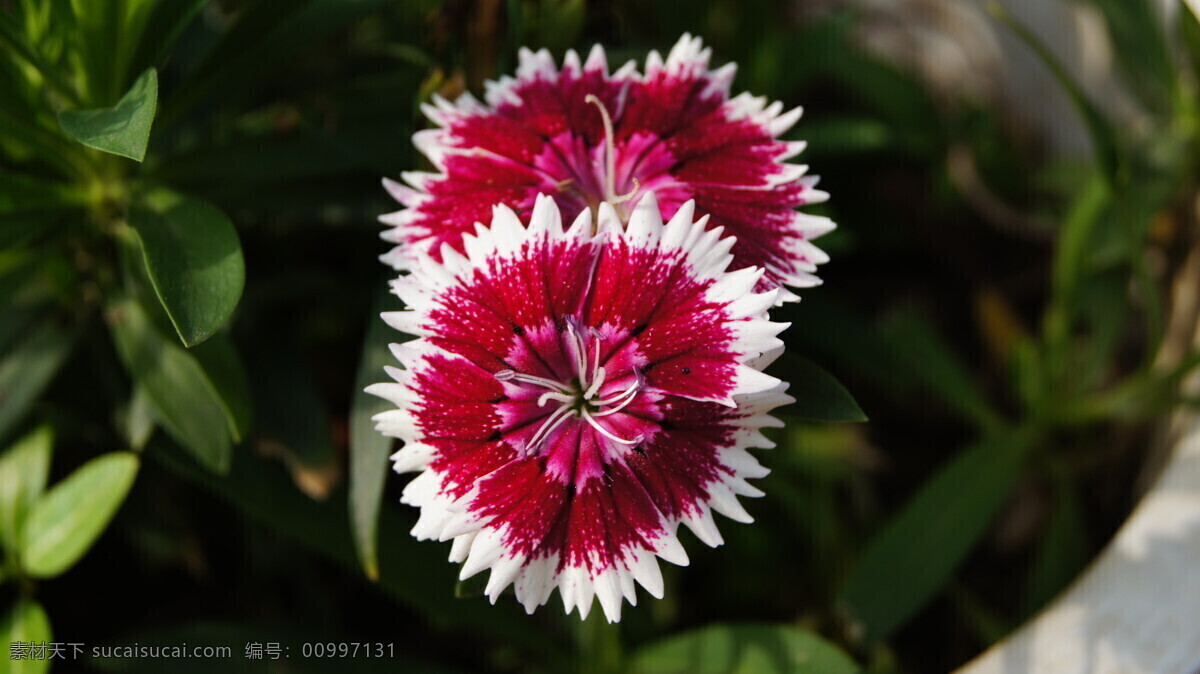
(188, 295)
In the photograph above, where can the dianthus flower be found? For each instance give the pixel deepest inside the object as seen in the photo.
(574, 396)
(586, 137)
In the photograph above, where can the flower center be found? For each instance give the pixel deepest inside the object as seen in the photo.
(580, 397)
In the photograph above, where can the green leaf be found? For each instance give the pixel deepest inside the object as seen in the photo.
(23, 193)
(25, 623)
(194, 260)
(28, 368)
(743, 649)
(1189, 33)
(100, 47)
(934, 363)
(1076, 248)
(1104, 138)
(23, 137)
(842, 136)
(71, 516)
(369, 448)
(12, 36)
(122, 130)
(163, 26)
(1142, 48)
(1063, 552)
(138, 420)
(818, 395)
(24, 469)
(227, 375)
(184, 399)
(908, 562)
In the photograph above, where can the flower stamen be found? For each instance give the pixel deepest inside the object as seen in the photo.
(555, 395)
(553, 421)
(622, 198)
(599, 380)
(607, 433)
(622, 399)
(513, 375)
(581, 398)
(609, 149)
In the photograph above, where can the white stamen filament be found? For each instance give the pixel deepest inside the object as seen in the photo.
(555, 395)
(512, 375)
(600, 373)
(552, 422)
(596, 369)
(633, 388)
(580, 354)
(621, 400)
(581, 398)
(622, 198)
(607, 433)
(609, 151)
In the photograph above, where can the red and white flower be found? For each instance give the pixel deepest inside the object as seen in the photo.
(586, 137)
(574, 396)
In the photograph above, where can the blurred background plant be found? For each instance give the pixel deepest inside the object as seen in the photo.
(1011, 300)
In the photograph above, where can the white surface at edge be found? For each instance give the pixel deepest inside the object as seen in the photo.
(1136, 610)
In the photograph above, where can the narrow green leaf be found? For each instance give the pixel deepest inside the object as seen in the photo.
(1142, 49)
(12, 36)
(743, 649)
(184, 399)
(194, 260)
(368, 448)
(25, 624)
(1063, 552)
(163, 26)
(1104, 138)
(23, 136)
(139, 419)
(988, 623)
(71, 516)
(818, 395)
(1076, 240)
(28, 367)
(842, 136)
(20, 192)
(1189, 32)
(225, 372)
(100, 46)
(24, 468)
(122, 130)
(908, 562)
(934, 363)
